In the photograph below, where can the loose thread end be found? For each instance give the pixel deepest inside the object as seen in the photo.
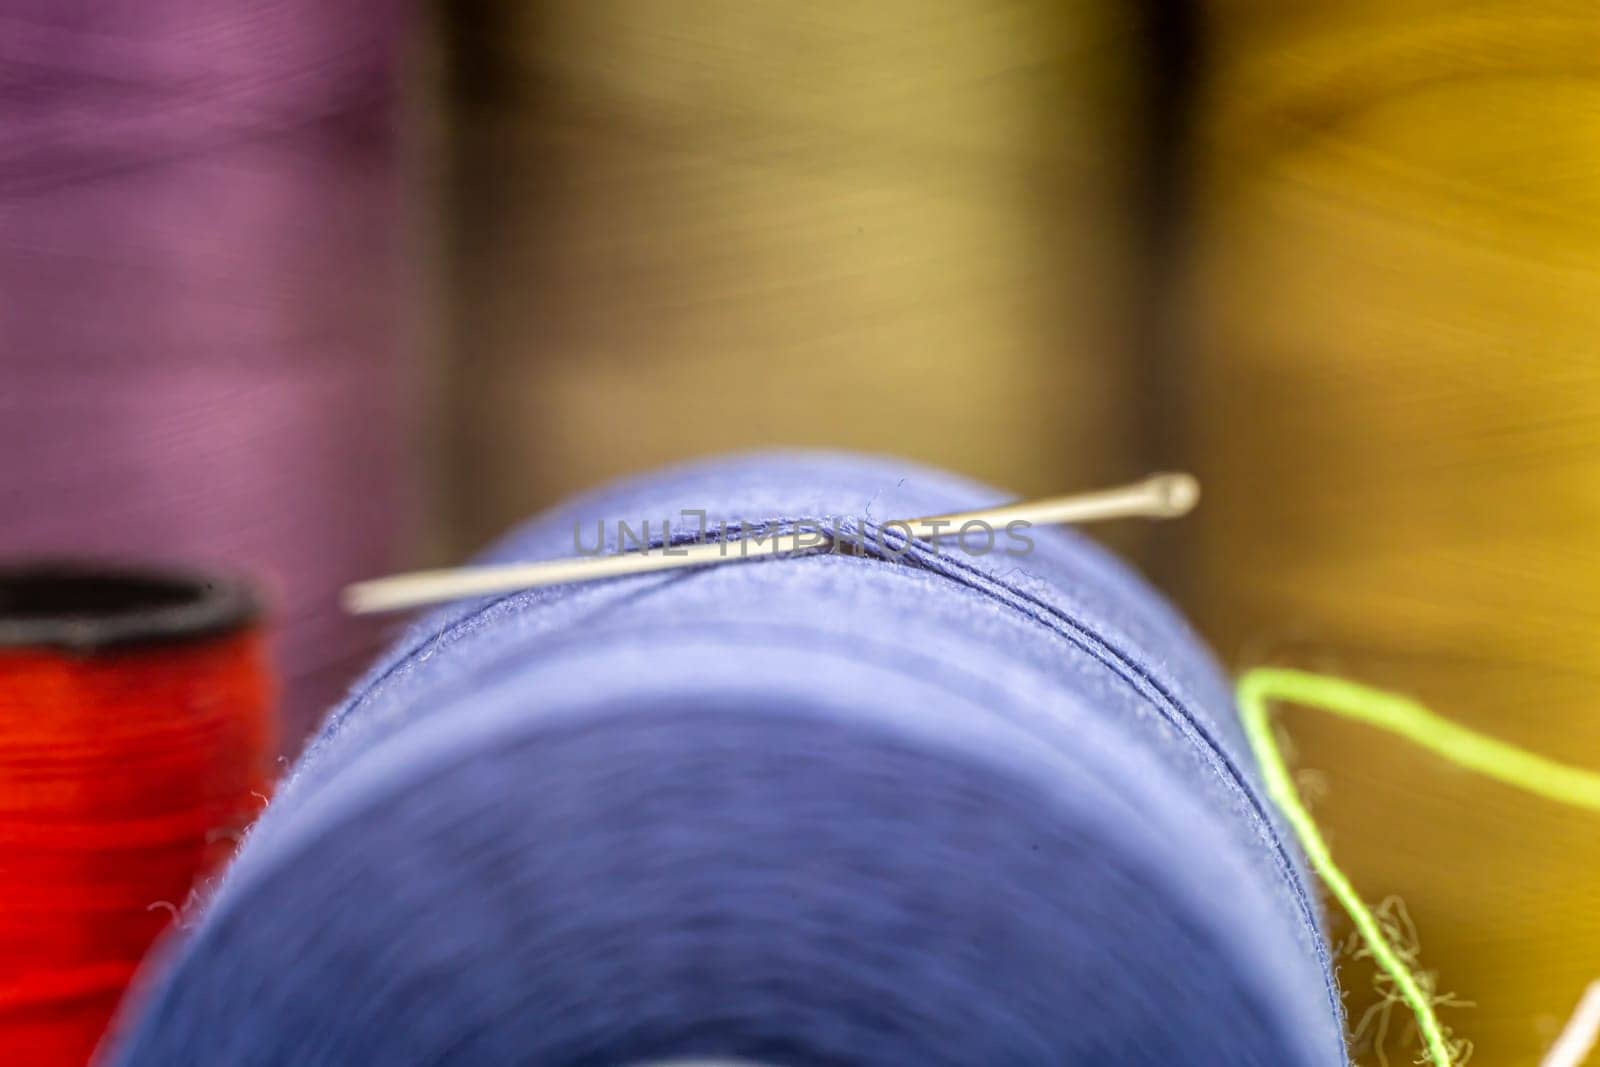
(1495, 759)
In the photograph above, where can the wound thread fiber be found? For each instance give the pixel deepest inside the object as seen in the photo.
(198, 210)
(829, 810)
(136, 742)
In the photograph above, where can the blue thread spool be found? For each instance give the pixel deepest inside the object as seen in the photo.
(829, 810)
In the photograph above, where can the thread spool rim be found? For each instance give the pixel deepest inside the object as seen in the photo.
(85, 607)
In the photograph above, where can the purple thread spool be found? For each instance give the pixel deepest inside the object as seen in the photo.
(197, 212)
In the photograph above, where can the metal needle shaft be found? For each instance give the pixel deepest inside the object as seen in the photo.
(1160, 496)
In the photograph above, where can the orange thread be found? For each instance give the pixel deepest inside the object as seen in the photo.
(126, 776)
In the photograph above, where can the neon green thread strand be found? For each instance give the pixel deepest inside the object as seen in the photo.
(1465, 748)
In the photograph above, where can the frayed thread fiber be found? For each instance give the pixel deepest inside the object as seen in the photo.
(1259, 689)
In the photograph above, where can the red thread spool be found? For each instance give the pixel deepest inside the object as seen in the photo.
(135, 744)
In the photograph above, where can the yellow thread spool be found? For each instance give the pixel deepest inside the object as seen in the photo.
(1396, 327)
(689, 227)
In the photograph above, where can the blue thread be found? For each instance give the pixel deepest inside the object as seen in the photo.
(813, 811)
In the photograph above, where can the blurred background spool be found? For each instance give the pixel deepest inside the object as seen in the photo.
(690, 226)
(828, 810)
(198, 230)
(1396, 314)
(136, 742)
